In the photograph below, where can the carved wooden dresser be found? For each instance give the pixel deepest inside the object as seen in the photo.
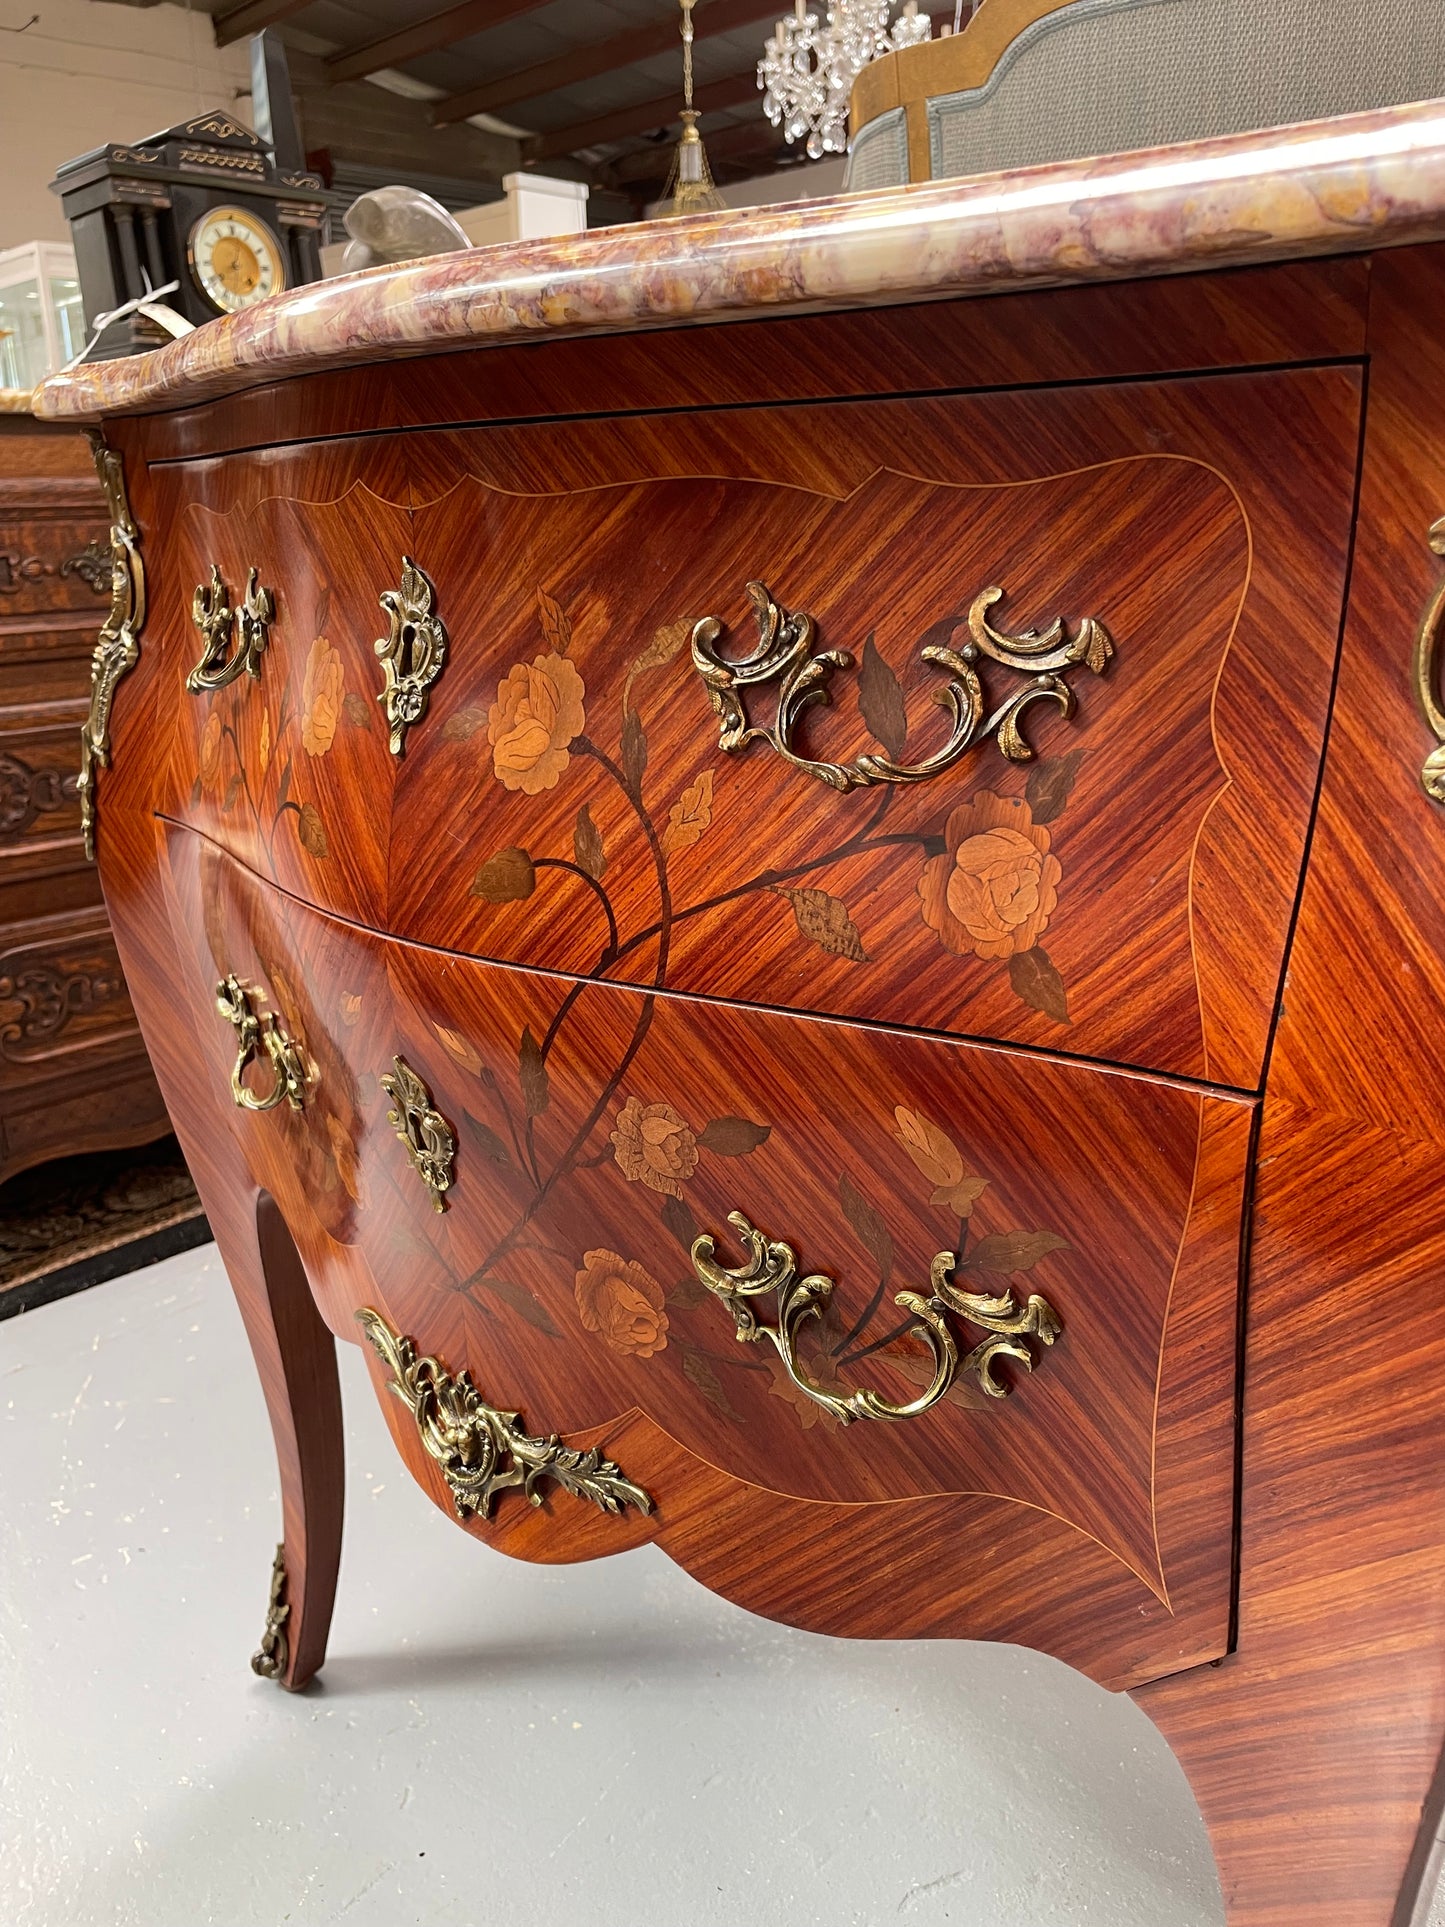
(74, 1075)
(825, 932)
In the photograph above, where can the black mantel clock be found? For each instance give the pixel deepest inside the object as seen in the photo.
(203, 204)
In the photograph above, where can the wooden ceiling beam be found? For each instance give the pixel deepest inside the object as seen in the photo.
(237, 22)
(735, 91)
(425, 36)
(602, 57)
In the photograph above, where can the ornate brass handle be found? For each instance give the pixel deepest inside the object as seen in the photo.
(785, 650)
(258, 1037)
(481, 1450)
(213, 615)
(1427, 650)
(773, 1266)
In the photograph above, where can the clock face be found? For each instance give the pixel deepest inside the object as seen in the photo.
(235, 258)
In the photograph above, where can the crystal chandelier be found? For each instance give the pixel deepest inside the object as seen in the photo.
(807, 73)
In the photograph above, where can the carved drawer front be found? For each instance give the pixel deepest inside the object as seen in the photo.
(991, 1297)
(39, 803)
(54, 547)
(995, 715)
(61, 994)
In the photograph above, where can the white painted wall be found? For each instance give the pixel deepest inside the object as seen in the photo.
(807, 182)
(86, 73)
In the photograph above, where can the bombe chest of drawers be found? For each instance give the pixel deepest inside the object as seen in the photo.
(824, 933)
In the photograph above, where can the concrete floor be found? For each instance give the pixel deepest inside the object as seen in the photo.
(594, 1746)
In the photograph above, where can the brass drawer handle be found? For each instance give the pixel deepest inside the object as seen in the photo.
(483, 1451)
(412, 652)
(1427, 650)
(786, 650)
(217, 621)
(258, 1037)
(773, 1266)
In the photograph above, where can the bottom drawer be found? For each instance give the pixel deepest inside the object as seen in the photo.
(1066, 1239)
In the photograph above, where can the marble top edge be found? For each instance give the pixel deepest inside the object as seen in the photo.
(1336, 186)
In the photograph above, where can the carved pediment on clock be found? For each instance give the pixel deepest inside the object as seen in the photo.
(214, 128)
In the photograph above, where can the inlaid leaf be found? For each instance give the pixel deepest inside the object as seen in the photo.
(1013, 1250)
(518, 1299)
(881, 700)
(459, 1047)
(233, 790)
(587, 845)
(323, 606)
(312, 831)
(487, 1140)
(1036, 983)
(634, 750)
(350, 1008)
(689, 1293)
(679, 1221)
(689, 815)
(1050, 783)
(938, 1158)
(871, 1230)
(733, 1137)
(536, 1092)
(665, 644)
(283, 788)
(357, 710)
(263, 746)
(195, 792)
(556, 624)
(463, 723)
(826, 920)
(698, 1372)
(507, 877)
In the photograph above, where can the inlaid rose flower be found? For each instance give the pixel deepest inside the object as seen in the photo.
(534, 721)
(654, 1146)
(622, 1303)
(321, 692)
(994, 888)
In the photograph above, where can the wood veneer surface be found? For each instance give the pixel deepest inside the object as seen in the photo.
(1314, 1744)
(1165, 821)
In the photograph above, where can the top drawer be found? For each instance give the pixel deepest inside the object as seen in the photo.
(1143, 581)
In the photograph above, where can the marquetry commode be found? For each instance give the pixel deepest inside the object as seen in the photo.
(825, 933)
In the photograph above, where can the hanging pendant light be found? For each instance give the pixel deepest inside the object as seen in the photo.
(690, 186)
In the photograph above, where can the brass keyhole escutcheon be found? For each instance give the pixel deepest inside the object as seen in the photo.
(411, 653)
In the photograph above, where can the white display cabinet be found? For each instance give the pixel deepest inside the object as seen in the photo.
(42, 323)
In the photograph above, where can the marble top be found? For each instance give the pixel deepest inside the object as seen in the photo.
(1328, 187)
(17, 401)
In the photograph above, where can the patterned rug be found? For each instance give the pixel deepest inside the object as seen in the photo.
(78, 1221)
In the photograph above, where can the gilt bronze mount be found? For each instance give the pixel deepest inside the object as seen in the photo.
(773, 1267)
(412, 652)
(422, 1129)
(261, 1038)
(233, 640)
(270, 1659)
(117, 648)
(1427, 652)
(482, 1450)
(786, 653)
